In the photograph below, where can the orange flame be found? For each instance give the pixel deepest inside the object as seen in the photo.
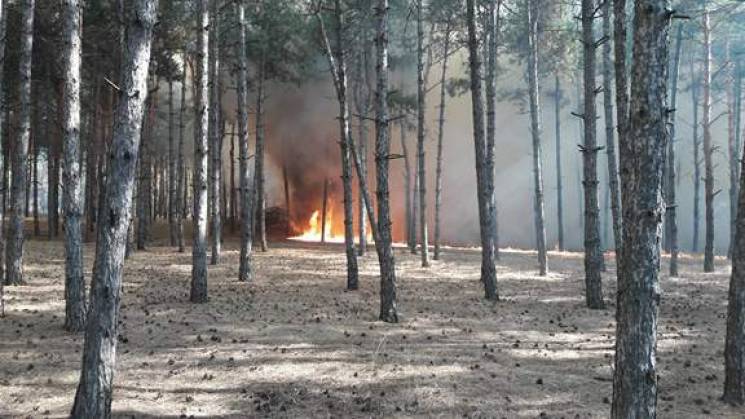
(313, 232)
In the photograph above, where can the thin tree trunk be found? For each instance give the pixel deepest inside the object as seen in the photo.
(734, 349)
(181, 167)
(362, 91)
(3, 147)
(559, 179)
(286, 188)
(440, 137)
(383, 243)
(259, 175)
(421, 111)
(492, 34)
(642, 169)
(15, 247)
(593, 254)
(75, 309)
(324, 209)
(488, 268)
(696, 157)
(338, 67)
(201, 144)
(172, 183)
(233, 198)
(610, 142)
(535, 127)
(216, 150)
(410, 218)
(246, 193)
(671, 169)
(733, 153)
(35, 176)
(94, 393)
(708, 149)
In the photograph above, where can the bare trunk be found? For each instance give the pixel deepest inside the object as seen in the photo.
(215, 140)
(488, 268)
(94, 393)
(259, 175)
(733, 152)
(559, 179)
(74, 282)
(324, 209)
(409, 210)
(233, 198)
(201, 144)
(696, 157)
(172, 182)
(35, 177)
(642, 168)
(535, 128)
(671, 203)
(181, 167)
(3, 147)
(440, 138)
(708, 149)
(246, 193)
(593, 254)
(492, 33)
(383, 243)
(610, 141)
(421, 110)
(15, 246)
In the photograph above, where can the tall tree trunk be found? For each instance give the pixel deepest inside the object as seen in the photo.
(620, 52)
(216, 150)
(172, 183)
(246, 193)
(642, 169)
(14, 262)
(383, 243)
(440, 137)
(259, 175)
(35, 176)
(410, 217)
(3, 147)
(362, 91)
(181, 166)
(492, 34)
(733, 152)
(535, 127)
(421, 111)
(559, 179)
(145, 187)
(708, 149)
(74, 283)
(201, 144)
(338, 67)
(91, 180)
(671, 169)
(488, 268)
(414, 211)
(734, 349)
(593, 254)
(610, 141)
(696, 156)
(94, 393)
(233, 198)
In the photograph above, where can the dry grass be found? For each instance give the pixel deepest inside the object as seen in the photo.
(295, 344)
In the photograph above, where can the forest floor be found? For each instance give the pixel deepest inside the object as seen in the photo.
(294, 343)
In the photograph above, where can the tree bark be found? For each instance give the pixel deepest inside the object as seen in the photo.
(733, 153)
(421, 111)
(201, 144)
(671, 218)
(338, 68)
(408, 201)
(3, 147)
(15, 246)
(383, 243)
(94, 393)
(708, 148)
(259, 175)
(559, 179)
(535, 128)
(610, 141)
(246, 193)
(362, 92)
(593, 254)
(642, 168)
(172, 182)
(324, 209)
(181, 168)
(734, 349)
(492, 33)
(488, 268)
(696, 158)
(440, 138)
(75, 309)
(215, 141)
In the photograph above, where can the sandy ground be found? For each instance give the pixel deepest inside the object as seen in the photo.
(295, 344)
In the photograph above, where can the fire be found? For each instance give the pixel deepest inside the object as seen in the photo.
(313, 232)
